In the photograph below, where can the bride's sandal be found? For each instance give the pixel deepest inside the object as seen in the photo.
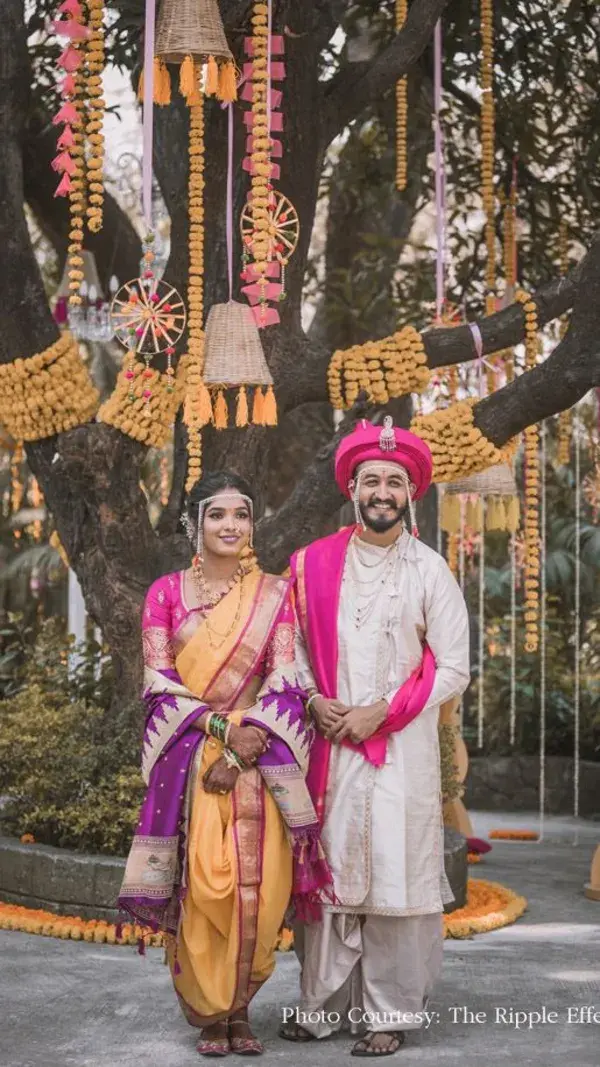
(217, 1041)
(244, 1045)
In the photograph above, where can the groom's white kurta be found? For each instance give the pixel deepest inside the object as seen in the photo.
(383, 831)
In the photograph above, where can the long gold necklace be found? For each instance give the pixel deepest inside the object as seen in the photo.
(222, 637)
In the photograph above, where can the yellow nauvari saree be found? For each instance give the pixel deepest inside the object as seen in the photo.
(217, 872)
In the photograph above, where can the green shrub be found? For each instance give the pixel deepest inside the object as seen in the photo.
(69, 767)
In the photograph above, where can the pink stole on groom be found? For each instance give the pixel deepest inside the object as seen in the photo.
(317, 571)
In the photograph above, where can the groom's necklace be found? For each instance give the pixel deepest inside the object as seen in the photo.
(365, 602)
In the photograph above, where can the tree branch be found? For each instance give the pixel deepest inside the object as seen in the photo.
(357, 84)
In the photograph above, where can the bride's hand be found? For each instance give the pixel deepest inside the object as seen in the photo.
(220, 778)
(248, 742)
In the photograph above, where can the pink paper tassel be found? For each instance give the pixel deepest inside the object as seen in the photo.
(276, 150)
(67, 85)
(249, 166)
(63, 164)
(64, 188)
(67, 114)
(248, 95)
(71, 7)
(70, 60)
(68, 28)
(66, 139)
(277, 45)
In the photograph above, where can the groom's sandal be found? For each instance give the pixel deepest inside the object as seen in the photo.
(379, 1044)
(293, 1032)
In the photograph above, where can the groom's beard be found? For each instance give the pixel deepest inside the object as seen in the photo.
(382, 523)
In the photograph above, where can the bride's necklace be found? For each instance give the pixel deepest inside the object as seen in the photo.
(207, 596)
(214, 633)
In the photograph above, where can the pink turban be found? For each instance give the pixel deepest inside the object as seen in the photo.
(369, 442)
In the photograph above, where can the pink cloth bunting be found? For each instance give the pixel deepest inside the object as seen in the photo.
(277, 71)
(276, 150)
(249, 166)
(247, 94)
(71, 7)
(67, 114)
(273, 270)
(70, 60)
(255, 291)
(277, 45)
(66, 139)
(69, 28)
(276, 120)
(64, 188)
(63, 163)
(265, 316)
(67, 85)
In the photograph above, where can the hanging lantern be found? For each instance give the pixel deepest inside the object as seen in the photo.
(190, 34)
(234, 359)
(497, 485)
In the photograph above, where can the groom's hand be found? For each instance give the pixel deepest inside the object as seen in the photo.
(360, 723)
(328, 713)
(219, 778)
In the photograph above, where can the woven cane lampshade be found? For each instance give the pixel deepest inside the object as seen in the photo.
(190, 33)
(497, 485)
(234, 359)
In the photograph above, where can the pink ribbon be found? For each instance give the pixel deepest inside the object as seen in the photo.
(440, 175)
(478, 342)
(229, 207)
(147, 131)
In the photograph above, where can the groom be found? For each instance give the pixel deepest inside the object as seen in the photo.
(383, 643)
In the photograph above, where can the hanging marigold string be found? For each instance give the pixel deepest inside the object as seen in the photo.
(487, 146)
(77, 188)
(401, 109)
(16, 485)
(95, 60)
(197, 407)
(392, 367)
(458, 447)
(47, 393)
(532, 485)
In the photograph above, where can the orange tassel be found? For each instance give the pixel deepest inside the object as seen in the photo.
(241, 417)
(270, 408)
(196, 97)
(221, 413)
(205, 411)
(187, 78)
(162, 83)
(227, 89)
(212, 77)
(258, 412)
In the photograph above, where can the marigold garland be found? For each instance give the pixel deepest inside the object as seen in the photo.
(392, 367)
(532, 482)
(401, 109)
(489, 907)
(17, 489)
(458, 447)
(197, 408)
(95, 60)
(130, 410)
(487, 147)
(261, 167)
(77, 192)
(48, 393)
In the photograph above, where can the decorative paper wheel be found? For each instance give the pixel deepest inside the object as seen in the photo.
(284, 227)
(148, 316)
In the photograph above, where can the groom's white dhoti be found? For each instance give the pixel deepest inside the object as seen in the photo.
(379, 950)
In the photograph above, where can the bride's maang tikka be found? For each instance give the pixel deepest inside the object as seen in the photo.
(195, 530)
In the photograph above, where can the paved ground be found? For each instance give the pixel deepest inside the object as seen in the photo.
(79, 1005)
